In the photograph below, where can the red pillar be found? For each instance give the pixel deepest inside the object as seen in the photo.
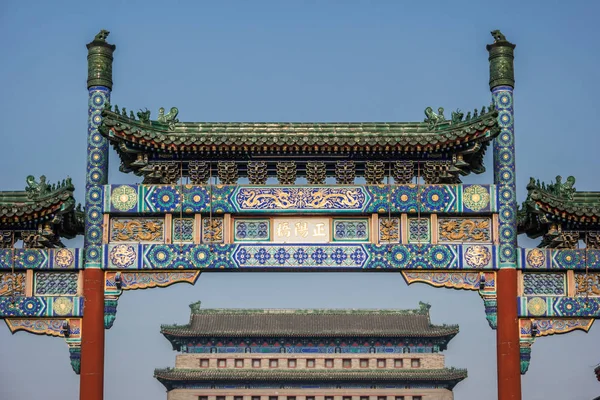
(507, 337)
(99, 84)
(502, 83)
(92, 339)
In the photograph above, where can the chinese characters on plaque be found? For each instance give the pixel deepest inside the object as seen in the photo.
(301, 230)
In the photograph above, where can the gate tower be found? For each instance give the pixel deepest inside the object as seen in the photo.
(254, 196)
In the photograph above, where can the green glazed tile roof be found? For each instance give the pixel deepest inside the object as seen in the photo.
(309, 323)
(386, 136)
(558, 202)
(36, 202)
(369, 375)
(582, 207)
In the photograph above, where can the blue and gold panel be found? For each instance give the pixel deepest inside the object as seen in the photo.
(313, 199)
(300, 256)
(251, 230)
(389, 230)
(123, 256)
(462, 229)
(12, 284)
(213, 230)
(351, 230)
(540, 259)
(41, 306)
(477, 198)
(62, 259)
(56, 283)
(96, 175)
(504, 176)
(326, 256)
(121, 198)
(137, 230)
(587, 284)
(544, 306)
(544, 283)
(419, 230)
(162, 198)
(184, 230)
(301, 198)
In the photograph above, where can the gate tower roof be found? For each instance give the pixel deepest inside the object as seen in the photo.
(290, 323)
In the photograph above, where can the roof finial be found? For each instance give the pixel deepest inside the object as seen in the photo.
(101, 36)
(195, 307)
(498, 36)
(100, 58)
(501, 61)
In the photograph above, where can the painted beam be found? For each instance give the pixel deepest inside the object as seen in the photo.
(220, 199)
(41, 306)
(559, 306)
(563, 259)
(299, 257)
(54, 259)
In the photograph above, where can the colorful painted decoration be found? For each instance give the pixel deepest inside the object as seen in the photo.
(123, 198)
(251, 230)
(351, 230)
(476, 197)
(465, 230)
(559, 259)
(311, 199)
(122, 255)
(41, 306)
(56, 283)
(12, 284)
(137, 230)
(183, 230)
(212, 230)
(419, 230)
(587, 284)
(549, 284)
(41, 259)
(300, 256)
(389, 230)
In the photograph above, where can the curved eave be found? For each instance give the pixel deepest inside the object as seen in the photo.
(134, 136)
(24, 211)
(562, 210)
(446, 376)
(185, 332)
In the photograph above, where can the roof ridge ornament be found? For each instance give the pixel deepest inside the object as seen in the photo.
(498, 36)
(170, 118)
(434, 119)
(559, 189)
(195, 307)
(101, 36)
(35, 190)
(424, 307)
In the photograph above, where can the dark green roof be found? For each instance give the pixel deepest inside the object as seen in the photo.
(309, 323)
(451, 376)
(36, 201)
(359, 140)
(42, 202)
(558, 203)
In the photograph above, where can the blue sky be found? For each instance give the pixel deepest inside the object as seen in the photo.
(296, 61)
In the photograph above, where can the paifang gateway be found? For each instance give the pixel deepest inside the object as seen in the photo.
(389, 197)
